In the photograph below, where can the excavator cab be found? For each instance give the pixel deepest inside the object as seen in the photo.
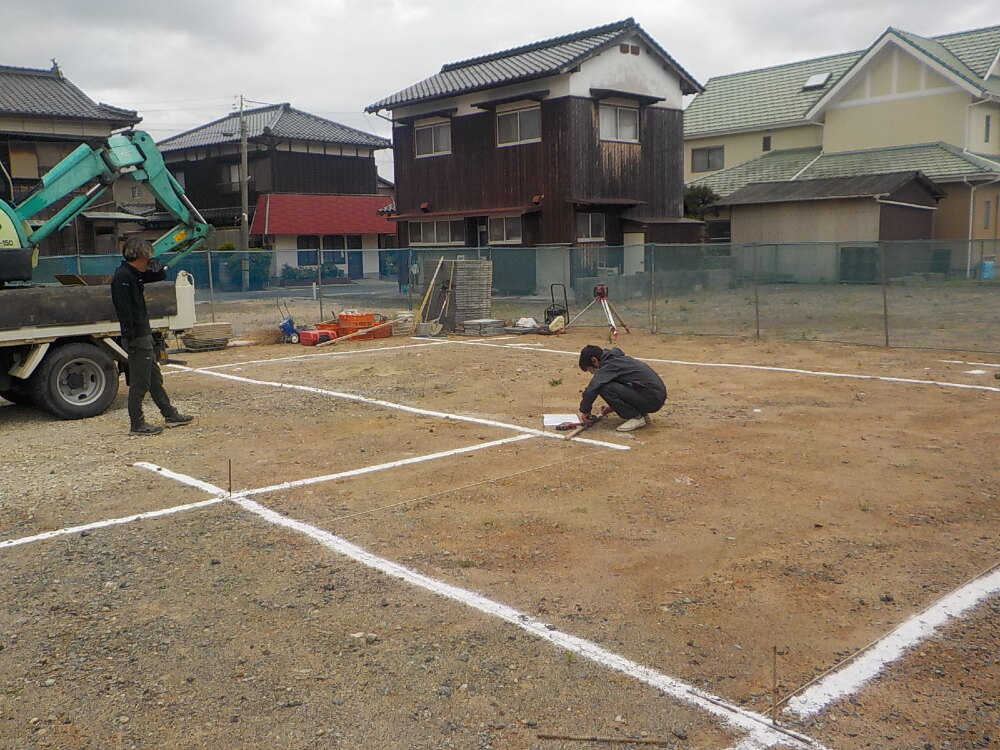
(17, 256)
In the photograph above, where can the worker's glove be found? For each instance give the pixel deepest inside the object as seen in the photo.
(154, 266)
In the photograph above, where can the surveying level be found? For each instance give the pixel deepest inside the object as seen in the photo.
(601, 298)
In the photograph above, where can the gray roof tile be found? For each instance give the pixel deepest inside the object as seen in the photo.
(538, 60)
(279, 121)
(824, 188)
(47, 93)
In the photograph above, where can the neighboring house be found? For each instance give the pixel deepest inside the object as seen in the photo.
(906, 104)
(348, 230)
(573, 140)
(289, 152)
(44, 117)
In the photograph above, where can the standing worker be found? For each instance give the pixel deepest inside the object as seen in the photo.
(137, 337)
(630, 387)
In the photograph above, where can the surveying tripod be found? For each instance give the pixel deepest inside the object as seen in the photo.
(601, 298)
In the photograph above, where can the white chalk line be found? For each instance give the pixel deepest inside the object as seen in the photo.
(765, 368)
(381, 467)
(853, 676)
(313, 355)
(410, 409)
(963, 362)
(221, 493)
(757, 725)
(110, 522)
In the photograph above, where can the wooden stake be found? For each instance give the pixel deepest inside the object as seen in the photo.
(774, 685)
(230, 477)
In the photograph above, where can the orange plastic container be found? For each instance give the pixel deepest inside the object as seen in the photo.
(355, 321)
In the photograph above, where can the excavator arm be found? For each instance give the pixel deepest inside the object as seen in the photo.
(93, 170)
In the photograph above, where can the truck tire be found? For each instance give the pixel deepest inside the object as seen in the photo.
(75, 381)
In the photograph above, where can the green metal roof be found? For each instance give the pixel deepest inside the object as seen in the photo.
(770, 97)
(940, 162)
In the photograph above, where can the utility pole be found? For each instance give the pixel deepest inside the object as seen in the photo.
(244, 201)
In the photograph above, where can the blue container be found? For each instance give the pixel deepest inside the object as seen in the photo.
(988, 266)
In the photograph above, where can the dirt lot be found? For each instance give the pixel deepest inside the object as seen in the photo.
(761, 510)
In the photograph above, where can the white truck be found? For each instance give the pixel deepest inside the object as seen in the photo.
(58, 344)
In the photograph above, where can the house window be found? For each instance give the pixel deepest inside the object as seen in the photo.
(765, 144)
(619, 123)
(986, 129)
(519, 126)
(590, 227)
(432, 140)
(987, 213)
(505, 230)
(437, 232)
(707, 159)
(333, 248)
(179, 176)
(230, 178)
(308, 246)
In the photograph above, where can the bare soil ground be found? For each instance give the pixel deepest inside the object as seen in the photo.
(762, 509)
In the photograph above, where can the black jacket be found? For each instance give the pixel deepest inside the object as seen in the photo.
(618, 367)
(129, 300)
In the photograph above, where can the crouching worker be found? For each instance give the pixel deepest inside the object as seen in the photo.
(631, 388)
(144, 374)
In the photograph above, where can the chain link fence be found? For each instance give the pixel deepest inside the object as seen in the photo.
(929, 294)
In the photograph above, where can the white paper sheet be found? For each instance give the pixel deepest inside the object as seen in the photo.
(554, 420)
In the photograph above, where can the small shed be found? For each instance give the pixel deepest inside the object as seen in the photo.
(866, 208)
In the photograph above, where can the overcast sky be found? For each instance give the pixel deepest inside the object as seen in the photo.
(182, 63)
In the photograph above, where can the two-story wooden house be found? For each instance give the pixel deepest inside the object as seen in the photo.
(43, 117)
(907, 104)
(568, 141)
(310, 184)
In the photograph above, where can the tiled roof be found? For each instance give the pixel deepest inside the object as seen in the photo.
(280, 121)
(285, 213)
(824, 189)
(774, 165)
(771, 96)
(768, 96)
(532, 61)
(47, 93)
(940, 162)
(963, 54)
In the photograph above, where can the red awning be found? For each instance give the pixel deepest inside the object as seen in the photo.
(289, 213)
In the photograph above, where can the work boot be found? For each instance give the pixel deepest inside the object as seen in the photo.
(632, 424)
(146, 429)
(177, 420)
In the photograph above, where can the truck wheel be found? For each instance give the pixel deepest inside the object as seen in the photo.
(76, 381)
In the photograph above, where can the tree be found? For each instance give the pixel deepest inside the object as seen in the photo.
(697, 200)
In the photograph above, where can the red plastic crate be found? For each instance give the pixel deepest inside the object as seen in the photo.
(311, 338)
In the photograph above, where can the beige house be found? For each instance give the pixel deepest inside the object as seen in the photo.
(906, 104)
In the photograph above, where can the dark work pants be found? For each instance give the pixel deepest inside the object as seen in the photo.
(629, 402)
(144, 377)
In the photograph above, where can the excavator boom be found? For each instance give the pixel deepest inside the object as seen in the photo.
(82, 177)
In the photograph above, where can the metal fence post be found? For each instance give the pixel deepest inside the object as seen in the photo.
(652, 287)
(211, 286)
(885, 295)
(756, 288)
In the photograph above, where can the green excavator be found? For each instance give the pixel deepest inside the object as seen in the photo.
(58, 346)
